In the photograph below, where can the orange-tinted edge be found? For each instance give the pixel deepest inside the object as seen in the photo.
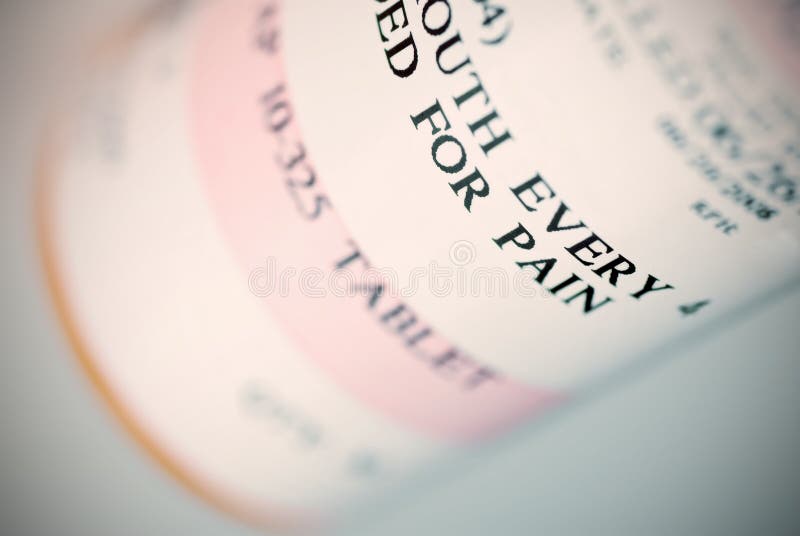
(48, 156)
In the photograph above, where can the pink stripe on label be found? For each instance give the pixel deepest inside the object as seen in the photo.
(277, 217)
(776, 27)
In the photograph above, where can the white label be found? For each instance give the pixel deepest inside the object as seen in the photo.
(624, 171)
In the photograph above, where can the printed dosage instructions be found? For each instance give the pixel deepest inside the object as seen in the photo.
(550, 159)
